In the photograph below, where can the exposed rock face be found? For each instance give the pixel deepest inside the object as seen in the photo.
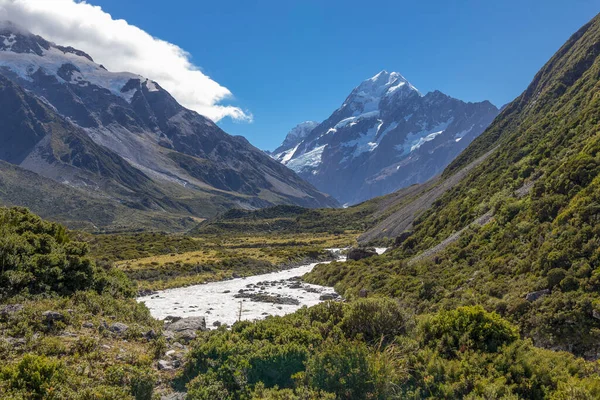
(164, 365)
(384, 137)
(122, 135)
(361, 253)
(118, 328)
(533, 296)
(185, 328)
(189, 323)
(10, 309)
(402, 238)
(52, 316)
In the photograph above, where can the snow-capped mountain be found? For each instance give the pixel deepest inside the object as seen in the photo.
(164, 151)
(294, 137)
(385, 136)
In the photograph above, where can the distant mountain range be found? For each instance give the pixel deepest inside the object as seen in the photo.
(385, 136)
(121, 139)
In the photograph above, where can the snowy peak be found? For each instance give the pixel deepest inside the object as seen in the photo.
(299, 132)
(31, 57)
(385, 136)
(367, 96)
(292, 140)
(16, 39)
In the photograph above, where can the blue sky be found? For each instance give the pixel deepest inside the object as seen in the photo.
(287, 61)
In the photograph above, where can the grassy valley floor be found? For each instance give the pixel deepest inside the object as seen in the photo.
(160, 261)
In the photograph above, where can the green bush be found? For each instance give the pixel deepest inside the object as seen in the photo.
(555, 276)
(37, 256)
(38, 376)
(466, 328)
(342, 368)
(139, 380)
(374, 320)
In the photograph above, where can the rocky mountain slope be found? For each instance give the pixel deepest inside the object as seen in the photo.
(70, 120)
(385, 136)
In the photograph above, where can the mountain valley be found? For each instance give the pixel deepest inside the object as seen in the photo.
(465, 263)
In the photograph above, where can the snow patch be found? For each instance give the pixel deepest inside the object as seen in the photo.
(26, 64)
(287, 155)
(309, 160)
(415, 140)
(462, 134)
(151, 86)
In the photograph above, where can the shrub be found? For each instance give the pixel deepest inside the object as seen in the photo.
(36, 375)
(140, 381)
(374, 320)
(569, 284)
(343, 369)
(555, 276)
(466, 328)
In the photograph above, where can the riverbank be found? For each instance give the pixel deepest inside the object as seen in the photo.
(251, 298)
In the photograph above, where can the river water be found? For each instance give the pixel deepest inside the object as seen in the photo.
(216, 301)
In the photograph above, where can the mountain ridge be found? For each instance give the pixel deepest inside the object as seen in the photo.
(155, 145)
(386, 135)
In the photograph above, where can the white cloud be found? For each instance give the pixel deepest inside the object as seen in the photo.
(120, 46)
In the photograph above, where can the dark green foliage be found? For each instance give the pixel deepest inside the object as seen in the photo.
(342, 368)
(374, 322)
(466, 328)
(291, 219)
(141, 381)
(35, 375)
(117, 247)
(37, 256)
(462, 353)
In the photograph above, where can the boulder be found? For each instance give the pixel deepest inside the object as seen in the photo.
(174, 396)
(189, 323)
(363, 293)
(151, 334)
(171, 318)
(360, 253)
(10, 309)
(164, 365)
(186, 336)
(328, 296)
(118, 328)
(533, 296)
(52, 316)
(185, 329)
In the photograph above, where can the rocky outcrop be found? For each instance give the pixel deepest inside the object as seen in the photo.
(361, 253)
(185, 328)
(119, 328)
(533, 296)
(52, 316)
(10, 309)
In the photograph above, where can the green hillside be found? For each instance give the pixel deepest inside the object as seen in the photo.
(524, 220)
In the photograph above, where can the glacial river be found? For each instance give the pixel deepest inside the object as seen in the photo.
(217, 301)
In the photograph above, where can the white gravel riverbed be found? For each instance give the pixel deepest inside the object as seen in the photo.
(216, 302)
